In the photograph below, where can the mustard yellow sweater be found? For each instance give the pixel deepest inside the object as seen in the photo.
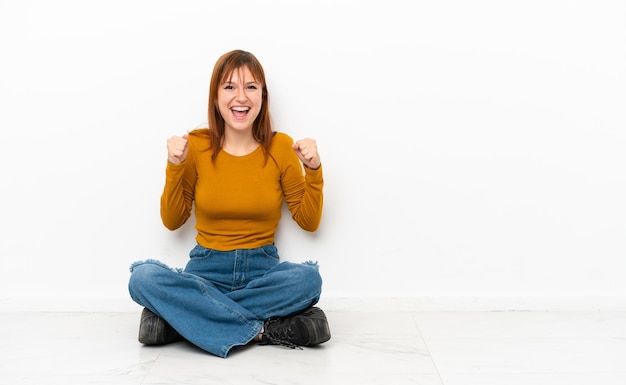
(237, 200)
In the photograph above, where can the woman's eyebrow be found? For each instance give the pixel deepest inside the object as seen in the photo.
(246, 83)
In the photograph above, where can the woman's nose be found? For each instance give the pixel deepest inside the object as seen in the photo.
(241, 94)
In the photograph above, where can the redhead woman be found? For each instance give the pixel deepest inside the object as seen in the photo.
(234, 176)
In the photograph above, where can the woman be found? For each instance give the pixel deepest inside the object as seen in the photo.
(235, 174)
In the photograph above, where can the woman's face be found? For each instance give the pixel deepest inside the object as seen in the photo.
(239, 100)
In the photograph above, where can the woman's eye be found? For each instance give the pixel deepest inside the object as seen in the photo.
(228, 87)
(251, 87)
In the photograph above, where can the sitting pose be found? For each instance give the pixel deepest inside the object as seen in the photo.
(235, 175)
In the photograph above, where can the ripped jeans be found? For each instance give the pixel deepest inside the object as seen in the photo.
(222, 298)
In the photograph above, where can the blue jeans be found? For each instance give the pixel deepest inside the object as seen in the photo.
(222, 298)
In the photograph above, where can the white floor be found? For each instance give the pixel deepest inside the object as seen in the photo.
(403, 347)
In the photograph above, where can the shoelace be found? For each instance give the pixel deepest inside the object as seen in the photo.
(280, 338)
(282, 342)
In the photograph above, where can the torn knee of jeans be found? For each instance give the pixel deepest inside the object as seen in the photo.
(310, 263)
(154, 262)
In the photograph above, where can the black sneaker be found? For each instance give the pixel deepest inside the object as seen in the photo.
(153, 330)
(308, 328)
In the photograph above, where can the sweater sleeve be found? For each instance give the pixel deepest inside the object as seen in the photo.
(308, 214)
(303, 193)
(178, 193)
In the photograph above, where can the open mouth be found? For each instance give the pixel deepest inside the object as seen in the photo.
(240, 112)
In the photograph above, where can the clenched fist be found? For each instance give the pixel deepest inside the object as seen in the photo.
(177, 149)
(306, 149)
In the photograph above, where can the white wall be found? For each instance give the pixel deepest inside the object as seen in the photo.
(473, 150)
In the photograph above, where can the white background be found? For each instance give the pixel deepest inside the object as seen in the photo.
(474, 151)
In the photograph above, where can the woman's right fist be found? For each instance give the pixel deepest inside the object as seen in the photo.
(177, 149)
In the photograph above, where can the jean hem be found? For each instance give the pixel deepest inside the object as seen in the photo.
(255, 331)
